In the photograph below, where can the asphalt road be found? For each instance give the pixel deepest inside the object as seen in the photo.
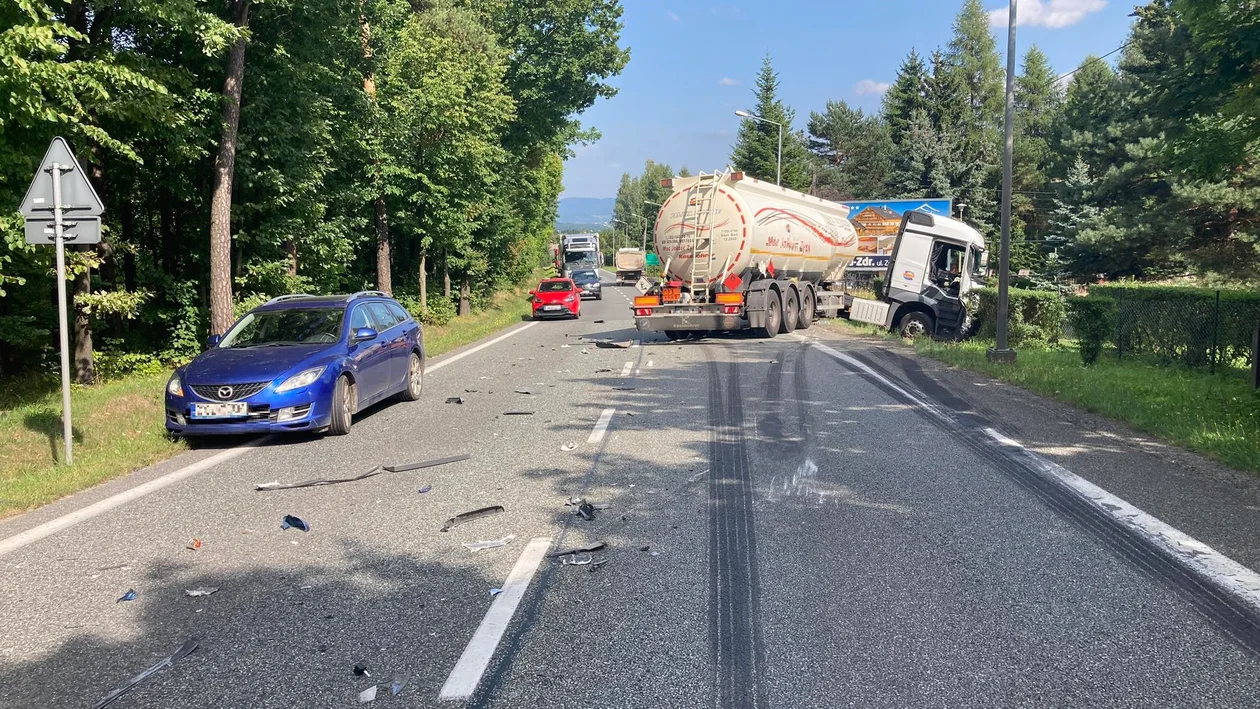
(783, 532)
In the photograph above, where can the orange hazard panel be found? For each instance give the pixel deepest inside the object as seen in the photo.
(671, 294)
(730, 298)
(646, 300)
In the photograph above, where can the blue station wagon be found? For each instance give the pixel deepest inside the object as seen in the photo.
(299, 363)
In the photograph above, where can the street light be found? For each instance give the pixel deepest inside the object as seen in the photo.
(778, 175)
(645, 226)
(1002, 352)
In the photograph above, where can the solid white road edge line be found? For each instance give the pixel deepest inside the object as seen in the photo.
(601, 426)
(66, 521)
(466, 675)
(625, 371)
(1221, 571)
(51, 527)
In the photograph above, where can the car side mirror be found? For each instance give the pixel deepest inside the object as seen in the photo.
(363, 334)
(213, 341)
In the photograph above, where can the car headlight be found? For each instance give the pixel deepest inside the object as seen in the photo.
(175, 387)
(569, 299)
(301, 379)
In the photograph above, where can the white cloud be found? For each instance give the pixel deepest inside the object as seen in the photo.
(1052, 14)
(728, 81)
(869, 86)
(673, 16)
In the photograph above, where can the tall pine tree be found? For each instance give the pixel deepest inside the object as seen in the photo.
(756, 148)
(905, 96)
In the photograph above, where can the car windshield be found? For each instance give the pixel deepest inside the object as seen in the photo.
(554, 287)
(585, 277)
(290, 326)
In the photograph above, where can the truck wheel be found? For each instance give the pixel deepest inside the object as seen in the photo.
(914, 324)
(791, 312)
(774, 315)
(344, 404)
(675, 335)
(808, 309)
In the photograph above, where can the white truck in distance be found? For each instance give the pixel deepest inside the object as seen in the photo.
(578, 252)
(630, 264)
(740, 254)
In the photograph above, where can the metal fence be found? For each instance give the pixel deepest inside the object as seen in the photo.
(1207, 332)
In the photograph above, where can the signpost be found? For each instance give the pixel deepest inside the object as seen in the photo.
(60, 206)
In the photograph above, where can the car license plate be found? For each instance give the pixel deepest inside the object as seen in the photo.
(552, 307)
(220, 411)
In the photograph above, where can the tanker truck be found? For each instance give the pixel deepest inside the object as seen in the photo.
(744, 254)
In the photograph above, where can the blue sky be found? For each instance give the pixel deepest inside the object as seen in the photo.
(693, 62)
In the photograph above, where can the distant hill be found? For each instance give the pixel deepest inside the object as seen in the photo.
(584, 213)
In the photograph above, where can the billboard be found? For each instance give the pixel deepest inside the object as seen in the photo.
(877, 221)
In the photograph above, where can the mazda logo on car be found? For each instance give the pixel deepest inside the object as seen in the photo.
(225, 392)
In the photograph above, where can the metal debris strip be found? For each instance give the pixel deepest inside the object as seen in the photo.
(264, 487)
(610, 345)
(489, 544)
(464, 517)
(183, 651)
(518, 413)
(526, 391)
(203, 591)
(454, 399)
(576, 560)
(426, 464)
(602, 370)
(697, 476)
(578, 550)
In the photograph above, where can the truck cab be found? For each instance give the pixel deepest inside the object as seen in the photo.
(936, 261)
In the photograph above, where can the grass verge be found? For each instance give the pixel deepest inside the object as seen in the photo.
(1215, 415)
(118, 424)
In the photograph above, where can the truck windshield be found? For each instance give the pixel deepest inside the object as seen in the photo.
(978, 260)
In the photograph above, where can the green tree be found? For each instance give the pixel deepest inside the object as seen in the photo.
(905, 97)
(756, 149)
(973, 60)
(855, 151)
(1038, 101)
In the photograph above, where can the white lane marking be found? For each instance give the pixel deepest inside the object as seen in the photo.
(601, 426)
(53, 526)
(66, 521)
(1206, 562)
(637, 343)
(455, 358)
(466, 674)
(625, 371)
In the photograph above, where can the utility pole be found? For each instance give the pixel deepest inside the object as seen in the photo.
(1002, 351)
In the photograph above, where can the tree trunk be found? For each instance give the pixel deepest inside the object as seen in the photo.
(465, 298)
(424, 283)
(380, 215)
(224, 165)
(446, 277)
(290, 249)
(84, 363)
(166, 225)
(381, 218)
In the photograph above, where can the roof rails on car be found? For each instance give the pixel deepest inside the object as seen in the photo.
(369, 293)
(291, 296)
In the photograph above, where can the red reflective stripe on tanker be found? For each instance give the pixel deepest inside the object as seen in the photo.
(743, 239)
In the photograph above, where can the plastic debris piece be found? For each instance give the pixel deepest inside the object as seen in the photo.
(585, 351)
(400, 680)
(490, 544)
(645, 547)
(472, 391)
(526, 391)
(598, 563)
(603, 506)
(195, 544)
(495, 591)
(579, 550)
(203, 591)
(360, 670)
(576, 560)
(183, 651)
(602, 370)
(295, 522)
(425, 489)
(598, 322)
(656, 553)
(470, 516)
(568, 446)
(518, 413)
(426, 464)
(610, 345)
(368, 695)
(586, 511)
(454, 399)
(130, 595)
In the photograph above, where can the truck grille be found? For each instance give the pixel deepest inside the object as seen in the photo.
(228, 392)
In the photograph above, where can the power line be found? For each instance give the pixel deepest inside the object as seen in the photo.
(1095, 59)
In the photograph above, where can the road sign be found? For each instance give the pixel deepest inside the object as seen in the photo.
(77, 196)
(75, 230)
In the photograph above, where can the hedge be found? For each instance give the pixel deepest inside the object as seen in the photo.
(1035, 315)
(1093, 321)
(1181, 324)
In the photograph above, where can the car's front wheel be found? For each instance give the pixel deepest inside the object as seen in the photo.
(415, 379)
(344, 400)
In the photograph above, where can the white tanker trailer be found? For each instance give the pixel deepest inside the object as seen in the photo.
(740, 253)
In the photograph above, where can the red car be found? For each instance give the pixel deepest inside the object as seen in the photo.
(557, 297)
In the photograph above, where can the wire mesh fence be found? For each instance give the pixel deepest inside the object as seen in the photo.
(1202, 329)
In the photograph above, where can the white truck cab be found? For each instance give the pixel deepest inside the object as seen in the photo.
(935, 262)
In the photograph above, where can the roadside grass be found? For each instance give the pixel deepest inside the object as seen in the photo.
(118, 424)
(1217, 415)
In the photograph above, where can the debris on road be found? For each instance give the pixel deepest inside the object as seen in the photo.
(631, 413)
(698, 475)
(454, 399)
(472, 391)
(598, 563)
(656, 553)
(598, 322)
(564, 346)
(183, 651)
(623, 388)
(368, 695)
(610, 345)
(399, 681)
(295, 522)
(426, 464)
(194, 545)
(203, 591)
(425, 489)
(585, 351)
(490, 544)
(568, 447)
(483, 377)
(264, 487)
(470, 516)
(576, 560)
(586, 511)
(579, 550)
(528, 392)
(603, 370)
(518, 413)
(360, 670)
(645, 547)
(130, 595)
(495, 591)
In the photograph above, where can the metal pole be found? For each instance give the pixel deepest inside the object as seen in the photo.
(1216, 329)
(1003, 353)
(778, 172)
(59, 238)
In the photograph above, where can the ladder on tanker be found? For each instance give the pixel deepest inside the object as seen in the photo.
(699, 223)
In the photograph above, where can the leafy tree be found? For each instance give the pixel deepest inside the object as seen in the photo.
(905, 97)
(756, 149)
(855, 150)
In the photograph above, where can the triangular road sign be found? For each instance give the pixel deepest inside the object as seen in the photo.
(77, 196)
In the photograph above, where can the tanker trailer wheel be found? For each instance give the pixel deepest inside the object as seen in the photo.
(808, 308)
(675, 335)
(791, 311)
(774, 315)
